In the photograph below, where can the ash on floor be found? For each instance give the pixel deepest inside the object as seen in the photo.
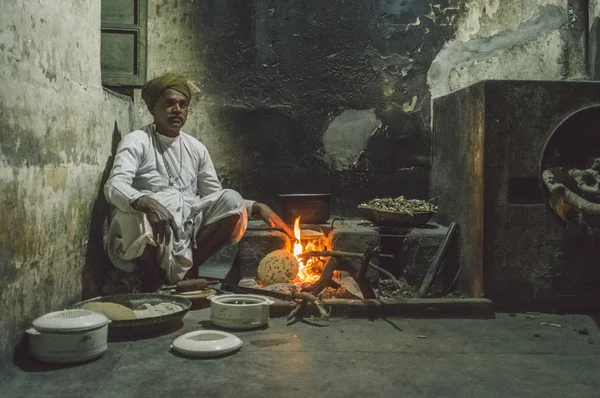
(387, 289)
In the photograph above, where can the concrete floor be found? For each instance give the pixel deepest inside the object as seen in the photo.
(348, 358)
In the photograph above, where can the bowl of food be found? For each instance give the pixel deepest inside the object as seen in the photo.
(398, 212)
(138, 313)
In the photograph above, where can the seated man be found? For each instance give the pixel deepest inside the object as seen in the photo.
(171, 211)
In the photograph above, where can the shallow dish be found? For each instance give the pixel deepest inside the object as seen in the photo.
(144, 325)
(392, 219)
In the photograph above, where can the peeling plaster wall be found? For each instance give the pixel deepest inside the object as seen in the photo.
(57, 125)
(306, 96)
(347, 136)
(519, 40)
(335, 96)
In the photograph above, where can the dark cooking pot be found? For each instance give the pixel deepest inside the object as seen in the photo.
(312, 208)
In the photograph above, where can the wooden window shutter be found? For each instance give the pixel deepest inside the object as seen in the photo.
(124, 42)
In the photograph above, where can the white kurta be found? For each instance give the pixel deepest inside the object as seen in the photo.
(179, 173)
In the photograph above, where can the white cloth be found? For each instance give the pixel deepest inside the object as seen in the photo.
(179, 173)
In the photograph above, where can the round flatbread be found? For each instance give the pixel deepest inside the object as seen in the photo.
(113, 311)
(279, 266)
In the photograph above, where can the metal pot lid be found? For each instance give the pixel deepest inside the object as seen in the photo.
(70, 321)
(206, 343)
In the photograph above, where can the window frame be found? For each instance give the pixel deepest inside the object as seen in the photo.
(140, 30)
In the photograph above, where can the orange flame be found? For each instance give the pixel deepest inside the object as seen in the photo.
(305, 265)
(298, 250)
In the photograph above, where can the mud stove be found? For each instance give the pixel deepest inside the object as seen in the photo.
(491, 143)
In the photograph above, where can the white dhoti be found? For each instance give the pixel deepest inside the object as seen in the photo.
(179, 173)
(129, 232)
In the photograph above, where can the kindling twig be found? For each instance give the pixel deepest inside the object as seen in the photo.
(366, 260)
(386, 273)
(306, 297)
(364, 264)
(375, 253)
(438, 260)
(325, 278)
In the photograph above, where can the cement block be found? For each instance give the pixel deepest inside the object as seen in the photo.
(356, 238)
(352, 237)
(421, 245)
(255, 245)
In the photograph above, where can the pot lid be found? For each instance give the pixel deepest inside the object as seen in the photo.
(70, 321)
(206, 343)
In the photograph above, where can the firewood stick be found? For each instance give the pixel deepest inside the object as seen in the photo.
(293, 313)
(325, 278)
(386, 273)
(376, 253)
(308, 297)
(330, 254)
(373, 253)
(438, 260)
(364, 263)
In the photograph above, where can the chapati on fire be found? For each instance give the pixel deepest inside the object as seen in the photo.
(279, 266)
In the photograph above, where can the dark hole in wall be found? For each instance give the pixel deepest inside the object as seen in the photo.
(574, 142)
(524, 191)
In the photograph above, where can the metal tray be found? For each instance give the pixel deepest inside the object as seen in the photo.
(145, 325)
(391, 219)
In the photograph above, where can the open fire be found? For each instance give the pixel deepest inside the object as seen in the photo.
(310, 268)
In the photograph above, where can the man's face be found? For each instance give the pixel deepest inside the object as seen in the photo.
(170, 112)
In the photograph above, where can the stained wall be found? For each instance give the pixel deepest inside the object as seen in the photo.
(57, 126)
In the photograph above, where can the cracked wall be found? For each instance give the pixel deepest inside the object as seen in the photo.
(56, 124)
(519, 40)
(307, 96)
(277, 80)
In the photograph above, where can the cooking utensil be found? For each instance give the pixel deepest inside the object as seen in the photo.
(190, 285)
(240, 311)
(312, 208)
(68, 336)
(145, 325)
(392, 219)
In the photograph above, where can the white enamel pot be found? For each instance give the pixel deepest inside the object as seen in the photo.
(240, 311)
(68, 336)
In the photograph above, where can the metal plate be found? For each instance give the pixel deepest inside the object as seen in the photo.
(145, 325)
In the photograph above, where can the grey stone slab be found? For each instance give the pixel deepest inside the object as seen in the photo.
(220, 264)
(255, 245)
(421, 246)
(346, 357)
(352, 236)
(29, 378)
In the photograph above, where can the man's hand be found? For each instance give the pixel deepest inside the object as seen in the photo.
(265, 213)
(160, 219)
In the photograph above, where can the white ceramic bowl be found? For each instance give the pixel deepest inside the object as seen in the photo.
(240, 311)
(68, 336)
